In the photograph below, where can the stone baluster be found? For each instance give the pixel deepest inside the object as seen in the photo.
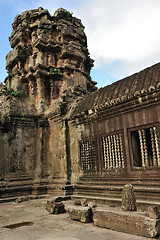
(93, 155)
(142, 148)
(121, 150)
(90, 153)
(104, 151)
(110, 152)
(157, 145)
(91, 159)
(145, 148)
(155, 162)
(89, 149)
(88, 160)
(107, 153)
(81, 154)
(84, 155)
(116, 152)
(113, 152)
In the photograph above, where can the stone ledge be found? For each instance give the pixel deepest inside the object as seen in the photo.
(142, 204)
(137, 223)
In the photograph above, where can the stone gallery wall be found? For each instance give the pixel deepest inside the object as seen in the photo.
(106, 147)
(57, 131)
(48, 72)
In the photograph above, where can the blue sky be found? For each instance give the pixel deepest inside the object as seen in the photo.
(123, 35)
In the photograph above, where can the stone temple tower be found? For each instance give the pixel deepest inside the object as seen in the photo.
(49, 55)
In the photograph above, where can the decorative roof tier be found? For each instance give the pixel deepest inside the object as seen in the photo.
(137, 86)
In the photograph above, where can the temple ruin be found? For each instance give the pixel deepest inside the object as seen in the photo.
(59, 134)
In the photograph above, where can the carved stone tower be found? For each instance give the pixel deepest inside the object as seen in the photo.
(49, 55)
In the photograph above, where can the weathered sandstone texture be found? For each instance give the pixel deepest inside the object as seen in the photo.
(153, 212)
(48, 73)
(129, 222)
(59, 135)
(128, 198)
(55, 207)
(79, 213)
(49, 55)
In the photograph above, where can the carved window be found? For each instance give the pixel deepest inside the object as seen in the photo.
(112, 151)
(88, 154)
(145, 147)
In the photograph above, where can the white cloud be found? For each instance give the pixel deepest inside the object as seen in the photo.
(126, 30)
(123, 35)
(123, 30)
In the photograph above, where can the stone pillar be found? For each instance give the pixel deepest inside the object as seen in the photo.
(128, 198)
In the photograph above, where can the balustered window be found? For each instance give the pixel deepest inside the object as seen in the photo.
(145, 147)
(112, 151)
(88, 154)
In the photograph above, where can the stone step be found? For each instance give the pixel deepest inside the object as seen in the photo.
(141, 192)
(125, 179)
(29, 197)
(119, 183)
(142, 189)
(142, 204)
(117, 188)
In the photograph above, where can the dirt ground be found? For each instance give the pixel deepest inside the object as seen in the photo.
(29, 220)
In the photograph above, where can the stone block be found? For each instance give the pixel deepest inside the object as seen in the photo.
(153, 212)
(92, 204)
(79, 213)
(58, 199)
(128, 198)
(55, 207)
(22, 199)
(55, 199)
(84, 203)
(130, 222)
(77, 202)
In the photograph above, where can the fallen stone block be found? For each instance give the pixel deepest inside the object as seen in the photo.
(59, 199)
(77, 202)
(84, 203)
(92, 204)
(130, 222)
(79, 213)
(153, 212)
(55, 199)
(55, 207)
(22, 199)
